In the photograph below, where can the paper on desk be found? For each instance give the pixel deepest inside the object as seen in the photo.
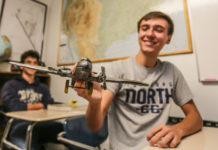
(67, 107)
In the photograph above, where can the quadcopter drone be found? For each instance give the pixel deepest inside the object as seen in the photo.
(83, 72)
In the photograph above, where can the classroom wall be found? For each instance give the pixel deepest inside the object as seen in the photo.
(50, 52)
(206, 95)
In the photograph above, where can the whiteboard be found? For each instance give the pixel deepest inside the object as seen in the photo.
(204, 24)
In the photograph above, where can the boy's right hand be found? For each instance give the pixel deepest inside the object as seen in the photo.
(96, 94)
(35, 106)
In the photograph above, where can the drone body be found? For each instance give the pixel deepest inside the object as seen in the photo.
(83, 72)
(83, 69)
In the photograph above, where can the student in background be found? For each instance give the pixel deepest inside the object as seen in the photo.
(138, 115)
(25, 92)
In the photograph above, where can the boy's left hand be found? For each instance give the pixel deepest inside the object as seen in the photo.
(164, 136)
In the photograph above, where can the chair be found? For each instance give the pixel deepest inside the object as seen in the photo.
(77, 136)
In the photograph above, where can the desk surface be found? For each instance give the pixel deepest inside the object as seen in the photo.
(46, 115)
(206, 139)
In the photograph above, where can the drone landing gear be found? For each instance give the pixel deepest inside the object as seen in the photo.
(88, 86)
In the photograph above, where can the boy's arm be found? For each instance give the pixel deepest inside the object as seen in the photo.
(99, 102)
(96, 112)
(10, 99)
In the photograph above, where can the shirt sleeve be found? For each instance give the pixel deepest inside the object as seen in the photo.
(113, 71)
(182, 92)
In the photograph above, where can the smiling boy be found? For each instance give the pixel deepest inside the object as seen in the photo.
(26, 92)
(138, 115)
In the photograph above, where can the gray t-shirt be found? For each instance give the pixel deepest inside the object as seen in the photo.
(135, 110)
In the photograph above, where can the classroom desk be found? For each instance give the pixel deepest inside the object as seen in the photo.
(206, 139)
(35, 116)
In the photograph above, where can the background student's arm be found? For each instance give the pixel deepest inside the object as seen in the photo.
(35, 106)
(10, 99)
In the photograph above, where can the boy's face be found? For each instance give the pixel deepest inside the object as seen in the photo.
(153, 35)
(31, 61)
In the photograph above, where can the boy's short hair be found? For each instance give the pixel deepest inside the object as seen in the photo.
(29, 53)
(158, 14)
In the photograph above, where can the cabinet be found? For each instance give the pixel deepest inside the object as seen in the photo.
(5, 76)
